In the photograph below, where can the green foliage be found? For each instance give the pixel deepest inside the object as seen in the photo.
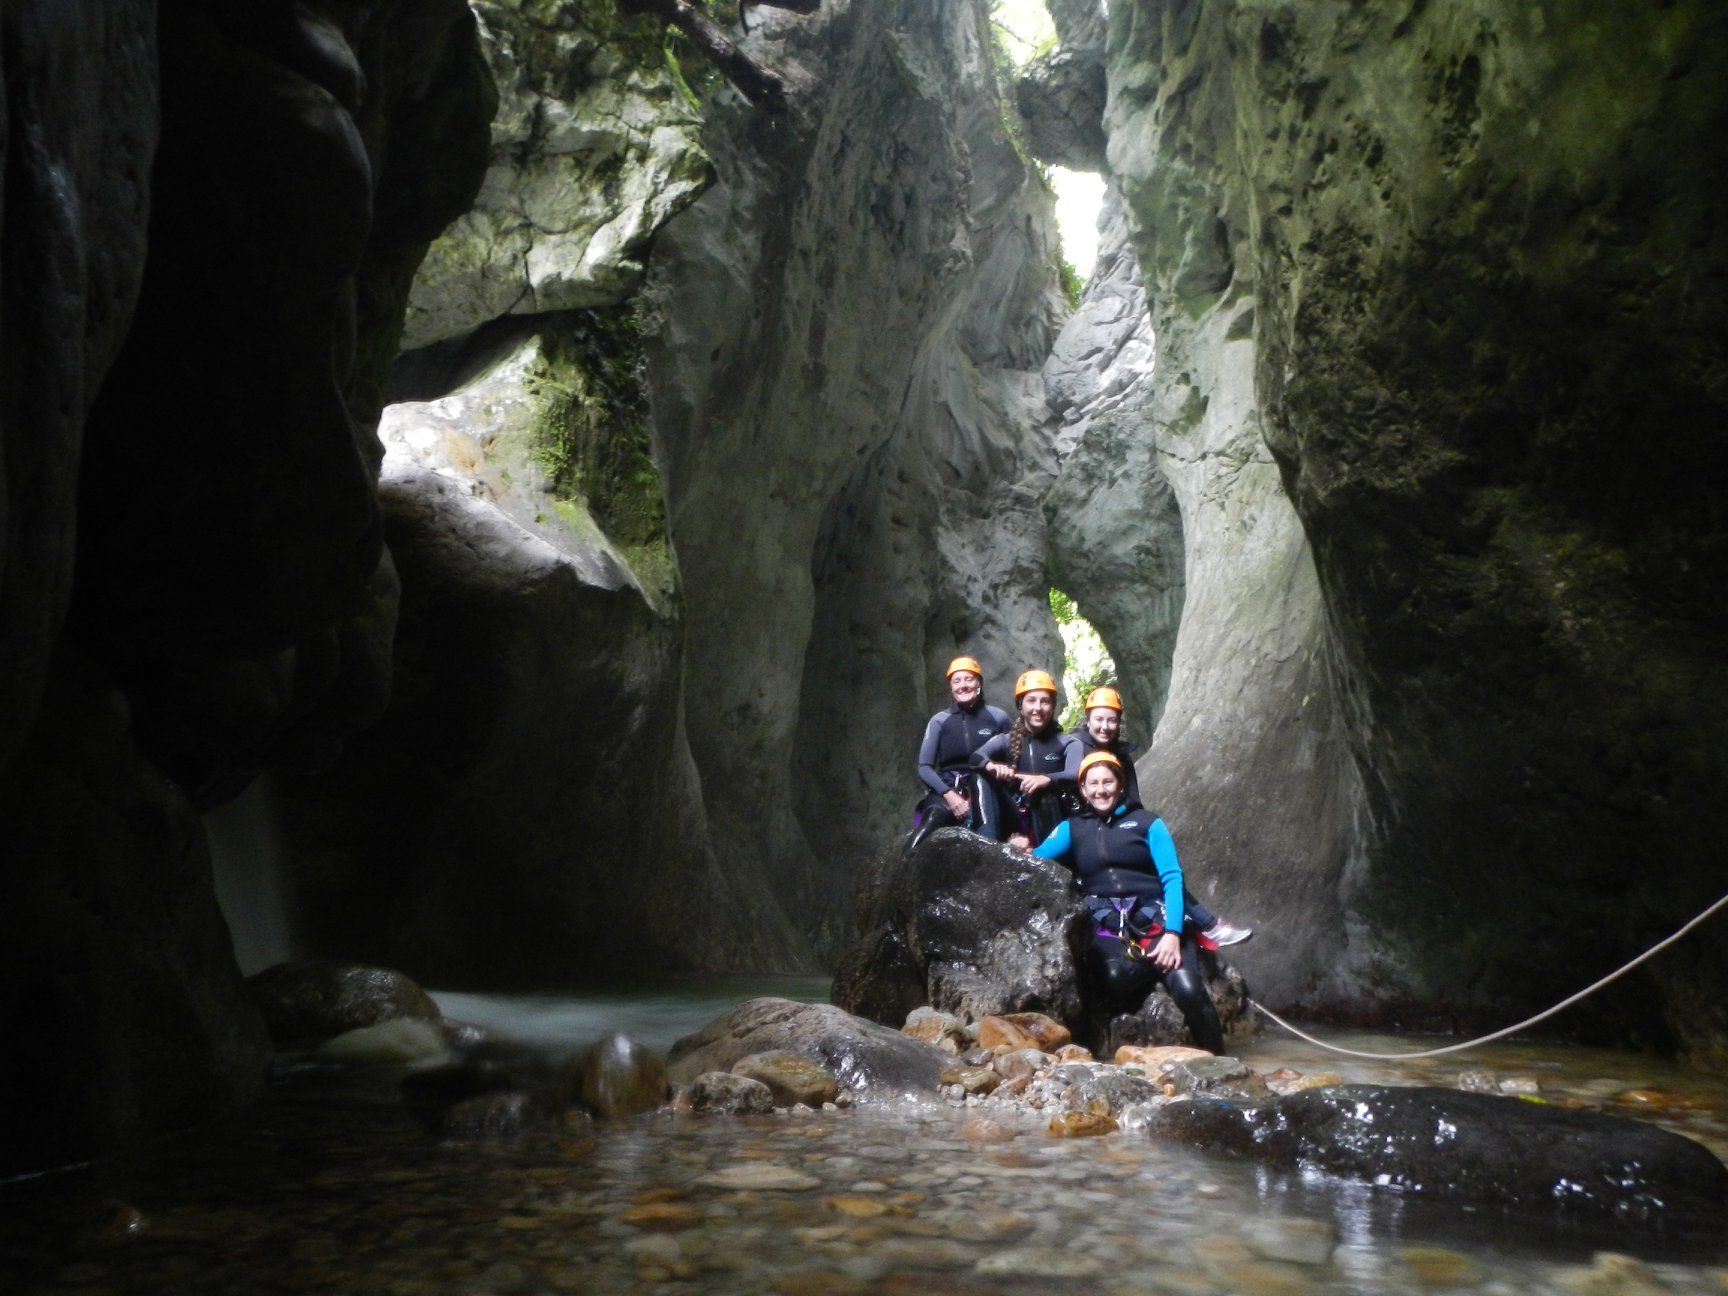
(1072, 284)
(1086, 662)
(592, 436)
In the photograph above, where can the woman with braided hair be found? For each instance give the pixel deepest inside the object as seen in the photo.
(1028, 765)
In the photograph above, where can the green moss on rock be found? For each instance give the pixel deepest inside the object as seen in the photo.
(591, 435)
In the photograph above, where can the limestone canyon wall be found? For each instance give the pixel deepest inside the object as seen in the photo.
(1462, 266)
(849, 328)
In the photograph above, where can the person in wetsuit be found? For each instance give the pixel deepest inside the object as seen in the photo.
(1028, 765)
(1125, 867)
(954, 793)
(1101, 730)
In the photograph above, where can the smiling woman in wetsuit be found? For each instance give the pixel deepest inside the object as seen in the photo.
(1028, 765)
(1125, 867)
(1101, 730)
(951, 787)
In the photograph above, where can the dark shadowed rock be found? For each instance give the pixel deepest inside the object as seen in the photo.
(315, 1000)
(867, 1060)
(969, 926)
(431, 1092)
(1061, 99)
(1440, 1143)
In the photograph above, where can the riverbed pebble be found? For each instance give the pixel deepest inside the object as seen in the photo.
(1009, 1032)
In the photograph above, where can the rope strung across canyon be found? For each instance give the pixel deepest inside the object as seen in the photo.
(1587, 991)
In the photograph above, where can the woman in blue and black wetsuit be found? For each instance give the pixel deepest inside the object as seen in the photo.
(954, 792)
(1101, 730)
(1028, 765)
(1125, 867)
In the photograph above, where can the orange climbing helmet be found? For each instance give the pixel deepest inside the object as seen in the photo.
(1104, 697)
(1031, 680)
(965, 664)
(1100, 758)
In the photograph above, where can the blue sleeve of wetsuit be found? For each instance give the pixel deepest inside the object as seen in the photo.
(927, 755)
(1055, 846)
(1169, 873)
(995, 748)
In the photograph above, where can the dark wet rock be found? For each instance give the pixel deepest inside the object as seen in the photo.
(868, 1060)
(1217, 1077)
(969, 926)
(1441, 1143)
(317, 1000)
(497, 1115)
(1159, 1021)
(616, 1077)
(724, 1093)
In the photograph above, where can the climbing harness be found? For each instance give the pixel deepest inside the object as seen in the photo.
(1510, 1030)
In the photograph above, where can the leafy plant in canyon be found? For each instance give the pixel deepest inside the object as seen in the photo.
(1086, 661)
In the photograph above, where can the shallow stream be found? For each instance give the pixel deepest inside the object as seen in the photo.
(330, 1186)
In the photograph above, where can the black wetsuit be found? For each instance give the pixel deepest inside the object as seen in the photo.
(945, 762)
(1045, 753)
(1125, 867)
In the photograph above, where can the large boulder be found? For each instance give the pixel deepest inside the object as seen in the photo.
(1440, 1143)
(966, 925)
(316, 1000)
(868, 1061)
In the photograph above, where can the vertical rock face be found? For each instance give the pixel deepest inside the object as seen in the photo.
(208, 216)
(1169, 525)
(1462, 268)
(847, 410)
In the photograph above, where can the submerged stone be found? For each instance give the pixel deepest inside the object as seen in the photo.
(724, 1093)
(1443, 1144)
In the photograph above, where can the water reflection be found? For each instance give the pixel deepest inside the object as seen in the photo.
(333, 1187)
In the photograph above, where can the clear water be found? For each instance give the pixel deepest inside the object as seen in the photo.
(330, 1186)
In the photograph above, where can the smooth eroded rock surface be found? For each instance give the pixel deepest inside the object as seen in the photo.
(1441, 1143)
(867, 1060)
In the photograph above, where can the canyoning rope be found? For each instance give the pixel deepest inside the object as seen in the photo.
(1588, 990)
